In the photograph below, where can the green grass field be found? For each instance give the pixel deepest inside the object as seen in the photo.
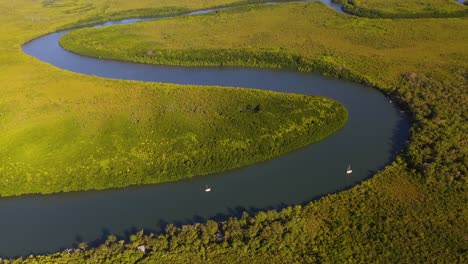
(413, 211)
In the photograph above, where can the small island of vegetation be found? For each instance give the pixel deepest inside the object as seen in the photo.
(158, 133)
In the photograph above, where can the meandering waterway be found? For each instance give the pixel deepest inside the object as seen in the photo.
(375, 132)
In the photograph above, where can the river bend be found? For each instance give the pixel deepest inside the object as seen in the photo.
(375, 132)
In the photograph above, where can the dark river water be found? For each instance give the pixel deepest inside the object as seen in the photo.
(375, 132)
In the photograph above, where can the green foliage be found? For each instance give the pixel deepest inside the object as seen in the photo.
(174, 133)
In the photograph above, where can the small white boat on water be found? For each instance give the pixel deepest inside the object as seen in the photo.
(207, 189)
(349, 170)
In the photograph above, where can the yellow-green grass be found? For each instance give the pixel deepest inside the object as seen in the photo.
(405, 9)
(91, 12)
(67, 132)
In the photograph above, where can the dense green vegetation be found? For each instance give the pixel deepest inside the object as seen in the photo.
(168, 133)
(413, 211)
(404, 9)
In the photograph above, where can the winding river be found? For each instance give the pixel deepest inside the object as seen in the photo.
(376, 131)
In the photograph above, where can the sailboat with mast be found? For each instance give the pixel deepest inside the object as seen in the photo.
(349, 170)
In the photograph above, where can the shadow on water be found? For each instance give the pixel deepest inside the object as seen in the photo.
(398, 140)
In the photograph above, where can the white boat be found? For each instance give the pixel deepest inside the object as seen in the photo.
(349, 170)
(207, 189)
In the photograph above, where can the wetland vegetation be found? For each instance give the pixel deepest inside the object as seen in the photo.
(71, 138)
(404, 9)
(412, 211)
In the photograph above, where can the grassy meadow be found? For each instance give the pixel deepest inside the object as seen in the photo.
(411, 212)
(404, 9)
